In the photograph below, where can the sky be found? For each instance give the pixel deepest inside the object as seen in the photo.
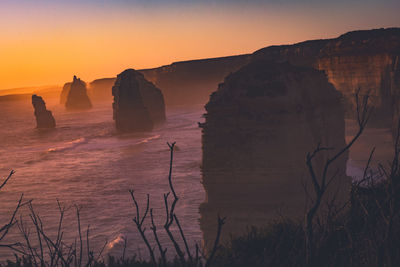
(46, 42)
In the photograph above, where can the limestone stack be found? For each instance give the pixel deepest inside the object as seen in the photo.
(259, 126)
(138, 104)
(44, 117)
(64, 93)
(77, 97)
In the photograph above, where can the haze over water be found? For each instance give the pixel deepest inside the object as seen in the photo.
(85, 162)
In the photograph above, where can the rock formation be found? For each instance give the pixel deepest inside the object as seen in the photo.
(138, 104)
(192, 82)
(259, 126)
(64, 93)
(368, 60)
(77, 98)
(44, 118)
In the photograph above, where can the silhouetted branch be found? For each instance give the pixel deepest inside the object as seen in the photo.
(221, 222)
(320, 183)
(6, 180)
(171, 211)
(160, 248)
(139, 224)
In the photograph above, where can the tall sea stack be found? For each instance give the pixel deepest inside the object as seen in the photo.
(138, 104)
(77, 97)
(44, 118)
(260, 124)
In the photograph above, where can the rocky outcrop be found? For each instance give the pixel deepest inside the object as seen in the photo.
(44, 118)
(77, 98)
(138, 104)
(64, 93)
(182, 83)
(366, 60)
(259, 126)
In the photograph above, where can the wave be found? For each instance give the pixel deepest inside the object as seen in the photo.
(68, 145)
(118, 241)
(146, 140)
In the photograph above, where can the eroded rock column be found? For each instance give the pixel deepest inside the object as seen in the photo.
(44, 117)
(260, 124)
(138, 104)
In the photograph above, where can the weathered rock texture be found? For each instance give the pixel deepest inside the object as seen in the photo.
(138, 104)
(44, 118)
(77, 97)
(260, 124)
(64, 93)
(368, 60)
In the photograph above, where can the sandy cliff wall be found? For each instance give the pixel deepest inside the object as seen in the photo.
(368, 60)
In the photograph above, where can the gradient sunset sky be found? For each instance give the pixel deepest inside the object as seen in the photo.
(46, 42)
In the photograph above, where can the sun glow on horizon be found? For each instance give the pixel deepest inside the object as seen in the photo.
(47, 45)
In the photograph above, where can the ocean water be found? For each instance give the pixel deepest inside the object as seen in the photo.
(85, 162)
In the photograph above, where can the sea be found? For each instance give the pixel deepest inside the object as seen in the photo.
(84, 163)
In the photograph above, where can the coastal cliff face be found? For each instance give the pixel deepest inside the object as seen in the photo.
(182, 83)
(192, 82)
(138, 104)
(365, 60)
(369, 61)
(44, 117)
(260, 124)
(77, 97)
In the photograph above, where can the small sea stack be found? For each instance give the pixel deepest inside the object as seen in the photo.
(78, 98)
(44, 117)
(138, 104)
(259, 126)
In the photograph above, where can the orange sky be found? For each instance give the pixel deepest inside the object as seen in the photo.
(41, 46)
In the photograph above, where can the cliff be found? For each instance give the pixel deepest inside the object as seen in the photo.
(368, 60)
(138, 104)
(77, 97)
(191, 82)
(260, 124)
(182, 83)
(44, 118)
